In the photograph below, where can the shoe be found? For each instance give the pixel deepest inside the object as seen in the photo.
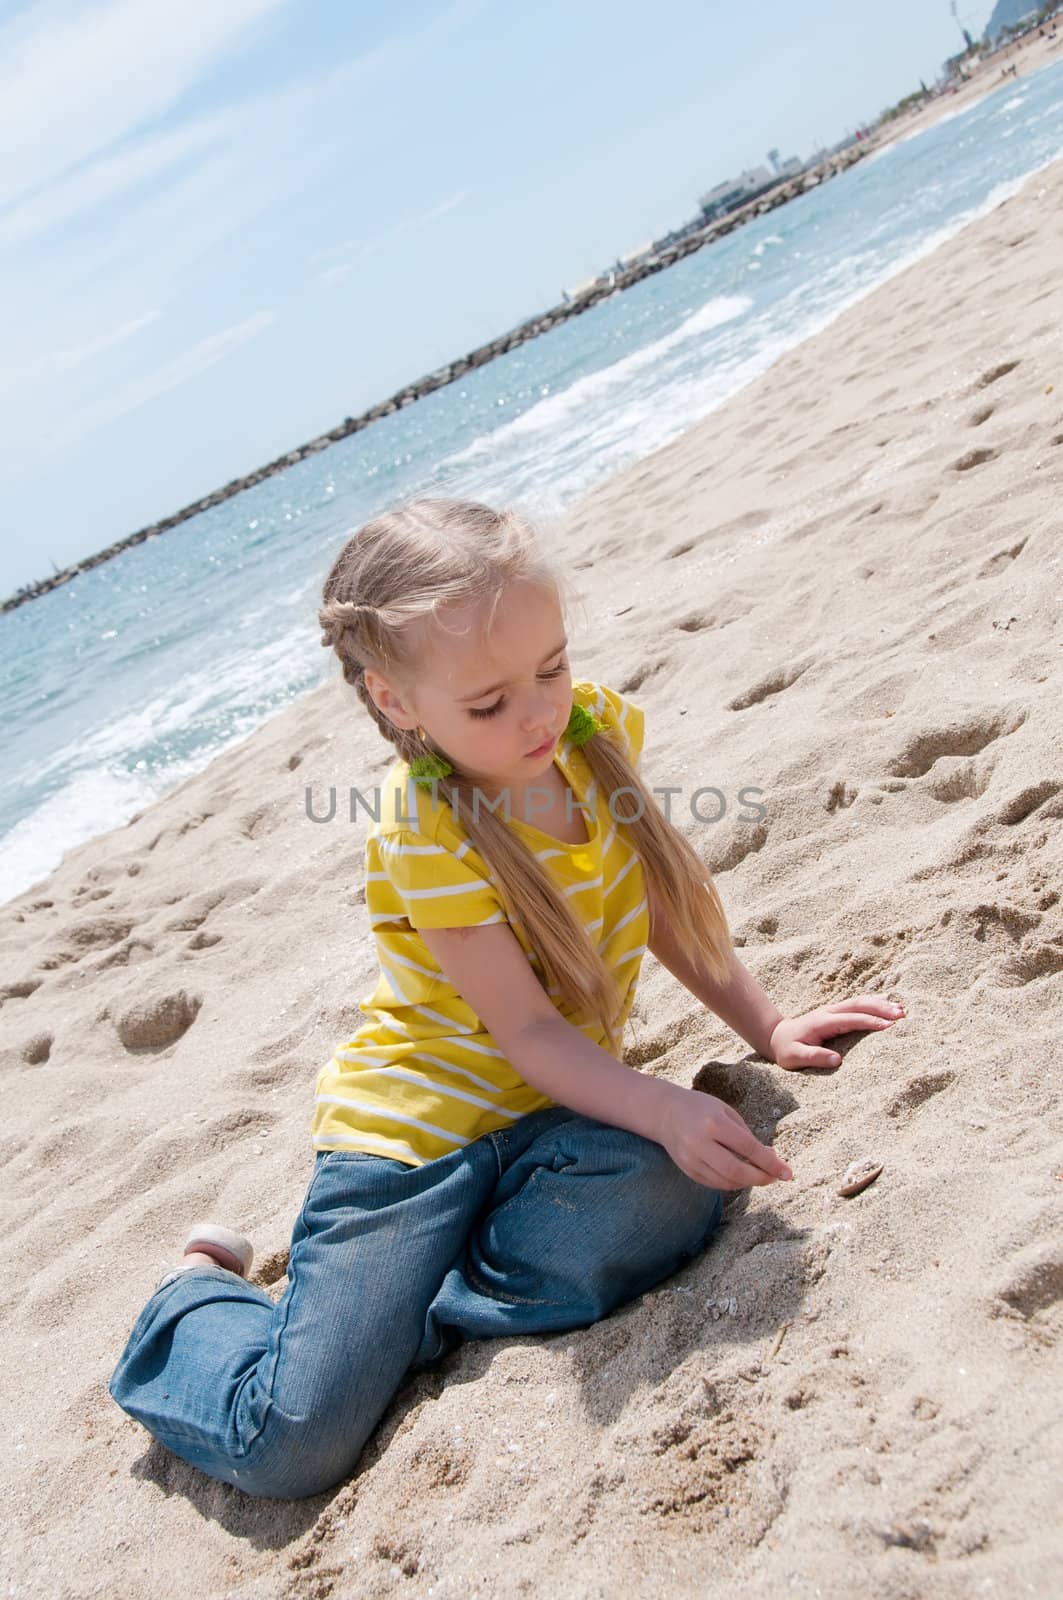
(230, 1250)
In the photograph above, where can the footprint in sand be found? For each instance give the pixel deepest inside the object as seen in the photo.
(1029, 802)
(1010, 921)
(840, 796)
(20, 989)
(83, 937)
(1029, 965)
(641, 675)
(917, 1091)
(194, 912)
(954, 779)
(1002, 559)
(774, 683)
(967, 737)
(732, 851)
(994, 374)
(1032, 1287)
(261, 821)
(697, 622)
(87, 893)
(126, 954)
(37, 1049)
(974, 458)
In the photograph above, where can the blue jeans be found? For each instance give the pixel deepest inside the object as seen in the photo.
(547, 1225)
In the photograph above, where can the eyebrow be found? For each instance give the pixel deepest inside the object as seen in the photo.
(480, 693)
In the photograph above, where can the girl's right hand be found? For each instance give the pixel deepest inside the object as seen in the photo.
(707, 1139)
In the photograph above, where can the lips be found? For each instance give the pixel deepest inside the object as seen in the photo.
(548, 744)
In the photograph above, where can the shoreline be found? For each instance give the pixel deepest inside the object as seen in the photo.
(980, 83)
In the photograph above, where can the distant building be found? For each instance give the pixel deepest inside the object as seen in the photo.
(632, 256)
(735, 192)
(604, 280)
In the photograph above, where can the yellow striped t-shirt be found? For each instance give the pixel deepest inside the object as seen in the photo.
(422, 1076)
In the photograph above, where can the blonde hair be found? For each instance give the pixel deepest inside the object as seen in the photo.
(390, 581)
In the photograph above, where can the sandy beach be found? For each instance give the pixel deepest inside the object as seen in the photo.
(844, 590)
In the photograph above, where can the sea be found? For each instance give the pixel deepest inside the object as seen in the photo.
(132, 677)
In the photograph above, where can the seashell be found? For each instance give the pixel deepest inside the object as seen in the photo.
(857, 1176)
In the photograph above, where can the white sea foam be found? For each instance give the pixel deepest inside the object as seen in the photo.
(605, 422)
(93, 802)
(560, 407)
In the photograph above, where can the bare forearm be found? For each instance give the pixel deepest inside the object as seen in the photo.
(561, 1062)
(740, 1002)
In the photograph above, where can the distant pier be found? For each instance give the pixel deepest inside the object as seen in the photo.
(683, 243)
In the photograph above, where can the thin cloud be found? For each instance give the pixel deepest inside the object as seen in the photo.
(57, 362)
(65, 360)
(184, 368)
(53, 115)
(352, 251)
(103, 180)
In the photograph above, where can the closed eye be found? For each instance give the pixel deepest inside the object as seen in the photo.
(491, 711)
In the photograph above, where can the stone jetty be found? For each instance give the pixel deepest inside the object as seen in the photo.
(664, 254)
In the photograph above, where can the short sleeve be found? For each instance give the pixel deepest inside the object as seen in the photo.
(411, 876)
(620, 715)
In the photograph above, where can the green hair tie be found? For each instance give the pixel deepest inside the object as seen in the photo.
(425, 770)
(428, 769)
(582, 725)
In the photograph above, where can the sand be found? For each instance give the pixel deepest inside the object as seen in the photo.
(842, 589)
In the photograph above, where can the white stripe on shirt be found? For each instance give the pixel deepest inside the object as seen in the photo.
(637, 912)
(429, 894)
(424, 1081)
(326, 1141)
(388, 1111)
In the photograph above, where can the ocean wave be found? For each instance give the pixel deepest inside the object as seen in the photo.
(93, 802)
(557, 408)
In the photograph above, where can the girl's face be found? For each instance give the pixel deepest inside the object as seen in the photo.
(489, 700)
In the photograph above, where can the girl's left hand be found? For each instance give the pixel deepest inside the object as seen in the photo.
(795, 1041)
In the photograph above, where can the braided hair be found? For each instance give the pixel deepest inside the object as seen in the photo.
(386, 591)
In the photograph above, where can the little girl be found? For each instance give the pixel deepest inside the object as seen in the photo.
(486, 1164)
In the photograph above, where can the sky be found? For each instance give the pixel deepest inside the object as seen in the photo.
(225, 225)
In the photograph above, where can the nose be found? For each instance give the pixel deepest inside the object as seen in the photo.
(540, 718)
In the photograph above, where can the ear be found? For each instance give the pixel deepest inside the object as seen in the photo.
(388, 700)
